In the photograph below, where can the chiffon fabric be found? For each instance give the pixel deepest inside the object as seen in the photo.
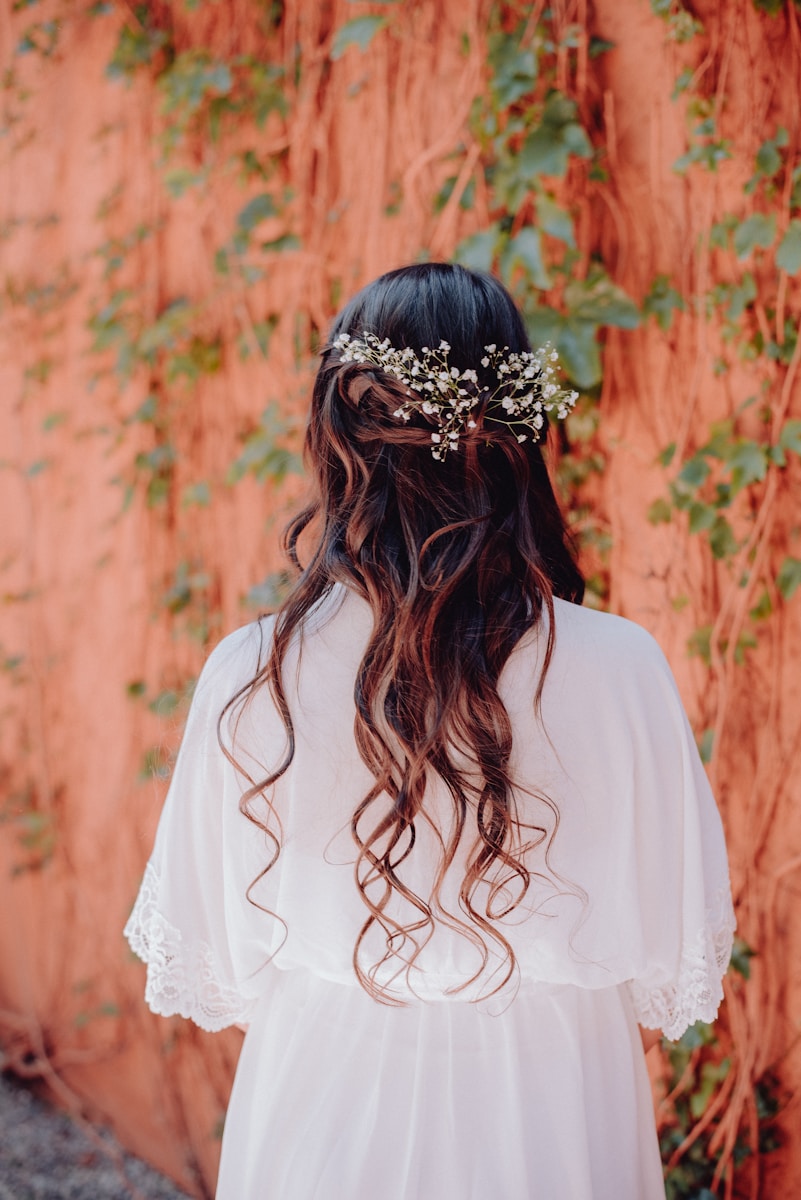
(539, 1090)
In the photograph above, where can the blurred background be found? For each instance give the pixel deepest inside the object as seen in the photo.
(188, 191)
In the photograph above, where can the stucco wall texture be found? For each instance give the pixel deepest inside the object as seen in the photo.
(85, 638)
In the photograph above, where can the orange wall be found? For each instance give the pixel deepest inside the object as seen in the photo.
(82, 575)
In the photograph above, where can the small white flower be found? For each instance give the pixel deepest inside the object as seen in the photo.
(525, 384)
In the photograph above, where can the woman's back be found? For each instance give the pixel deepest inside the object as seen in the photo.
(539, 1089)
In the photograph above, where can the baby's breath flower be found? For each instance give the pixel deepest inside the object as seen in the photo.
(447, 396)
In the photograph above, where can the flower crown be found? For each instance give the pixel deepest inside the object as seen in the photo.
(525, 390)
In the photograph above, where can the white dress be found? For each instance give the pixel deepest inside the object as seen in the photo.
(540, 1092)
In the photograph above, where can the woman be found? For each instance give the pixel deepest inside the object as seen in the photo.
(451, 841)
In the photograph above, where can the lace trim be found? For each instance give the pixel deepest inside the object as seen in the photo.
(699, 990)
(181, 976)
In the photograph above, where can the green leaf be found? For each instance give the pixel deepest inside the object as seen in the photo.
(660, 512)
(282, 245)
(789, 577)
(756, 230)
(768, 159)
(790, 436)
(694, 472)
(555, 221)
(477, 252)
(683, 81)
(699, 644)
(599, 46)
(169, 325)
(137, 46)
(746, 641)
(599, 300)
(706, 744)
(788, 255)
(514, 70)
(748, 464)
(543, 324)
(741, 955)
(712, 1074)
(667, 455)
(547, 150)
(196, 493)
(155, 764)
(525, 250)
(661, 301)
(702, 516)
(181, 179)
(264, 453)
(258, 209)
(763, 607)
(147, 410)
(579, 351)
(722, 541)
(358, 32)
(165, 704)
(740, 296)
(271, 592)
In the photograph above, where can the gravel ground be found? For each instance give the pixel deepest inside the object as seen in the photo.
(45, 1155)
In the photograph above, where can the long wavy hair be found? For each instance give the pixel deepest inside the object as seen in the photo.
(457, 560)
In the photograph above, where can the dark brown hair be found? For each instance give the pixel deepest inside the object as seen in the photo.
(457, 560)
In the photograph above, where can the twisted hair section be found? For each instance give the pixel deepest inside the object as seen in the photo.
(457, 560)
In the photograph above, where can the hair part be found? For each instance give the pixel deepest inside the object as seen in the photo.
(457, 559)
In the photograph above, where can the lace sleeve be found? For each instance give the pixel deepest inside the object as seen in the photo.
(698, 990)
(182, 977)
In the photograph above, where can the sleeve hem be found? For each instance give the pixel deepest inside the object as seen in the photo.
(182, 977)
(698, 991)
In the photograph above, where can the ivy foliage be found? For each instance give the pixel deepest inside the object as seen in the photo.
(719, 486)
(533, 143)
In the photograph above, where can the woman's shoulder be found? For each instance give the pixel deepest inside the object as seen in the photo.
(242, 654)
(604, 631)
(237, 658)
(591, 643)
